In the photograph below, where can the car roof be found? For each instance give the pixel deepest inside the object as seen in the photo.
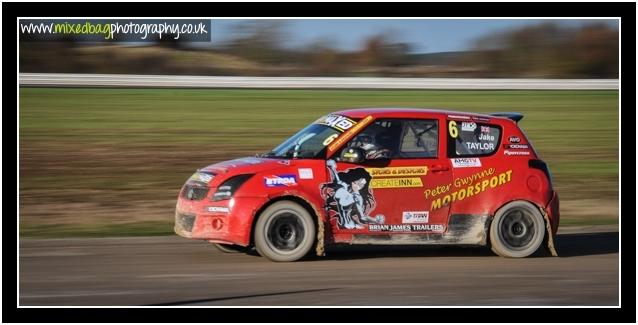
(409, 113)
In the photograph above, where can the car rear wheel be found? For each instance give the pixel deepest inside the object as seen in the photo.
(517, 230)
(284, 232)
(230, 249)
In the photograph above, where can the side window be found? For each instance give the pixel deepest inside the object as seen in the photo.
(467, 138)
(378, 140)
(419, 139)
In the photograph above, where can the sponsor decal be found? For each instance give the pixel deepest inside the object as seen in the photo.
(516, 146)
(459, 117)
(396, 182)
(465, 162)
(218, 209)
(349, 198)
(471, 190)
(348, 134)
(416, 216)
(337, 122)
(516, 153)
(437, 190)
(468, 126)
(284, 162)
(458, 183)
(280, 180)
(486, 137)
(467, 180)
(398, 171)
(479, 146)
(480, 118)
(305, 173)
(407, 228)
(514, 139)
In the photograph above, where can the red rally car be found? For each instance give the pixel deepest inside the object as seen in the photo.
(379, 176)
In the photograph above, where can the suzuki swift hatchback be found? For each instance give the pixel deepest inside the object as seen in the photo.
(379, 176)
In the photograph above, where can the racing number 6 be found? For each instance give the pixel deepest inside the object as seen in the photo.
(330, 139)
(454, 132)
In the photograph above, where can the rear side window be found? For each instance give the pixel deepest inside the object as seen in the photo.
(420, 139)
(468, 138)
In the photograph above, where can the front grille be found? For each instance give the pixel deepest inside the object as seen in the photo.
(192, 192)
(185, 221)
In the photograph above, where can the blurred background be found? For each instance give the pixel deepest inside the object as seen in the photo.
(111, 161)
(346, 47)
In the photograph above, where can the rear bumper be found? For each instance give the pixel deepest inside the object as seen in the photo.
(220, 222)
(553, 212)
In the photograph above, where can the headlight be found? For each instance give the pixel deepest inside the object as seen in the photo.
(226, 190)
(202, 177)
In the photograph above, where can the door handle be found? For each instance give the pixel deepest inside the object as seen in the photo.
(439, 168)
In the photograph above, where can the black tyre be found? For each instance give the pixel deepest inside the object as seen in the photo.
(517, 230)
(284, 232)
(230, 249)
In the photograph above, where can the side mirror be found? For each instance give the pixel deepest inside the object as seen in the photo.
(352, 155)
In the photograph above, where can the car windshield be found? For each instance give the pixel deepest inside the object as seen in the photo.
(311, 141)
(307, 143)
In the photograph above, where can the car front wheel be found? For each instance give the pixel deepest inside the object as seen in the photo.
(517, 230)
(284, 232)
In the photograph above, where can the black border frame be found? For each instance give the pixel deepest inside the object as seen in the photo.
(624, 10)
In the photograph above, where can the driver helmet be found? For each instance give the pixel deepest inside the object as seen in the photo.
(372, 149)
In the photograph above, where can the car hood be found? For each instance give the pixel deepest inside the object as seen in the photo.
(246, 165)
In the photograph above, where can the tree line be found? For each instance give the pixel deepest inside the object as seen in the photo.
(262, 48)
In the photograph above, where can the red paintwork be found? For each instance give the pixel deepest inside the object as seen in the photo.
(523, 183)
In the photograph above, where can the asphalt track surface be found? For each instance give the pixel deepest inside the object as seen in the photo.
(173, 271)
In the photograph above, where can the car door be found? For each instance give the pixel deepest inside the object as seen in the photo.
(391, 190)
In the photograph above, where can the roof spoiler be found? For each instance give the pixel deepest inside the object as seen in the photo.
(510, 115)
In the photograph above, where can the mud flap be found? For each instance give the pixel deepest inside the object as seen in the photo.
(320, 238)
(549, 237)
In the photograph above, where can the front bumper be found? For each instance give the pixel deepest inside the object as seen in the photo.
(220, 222)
